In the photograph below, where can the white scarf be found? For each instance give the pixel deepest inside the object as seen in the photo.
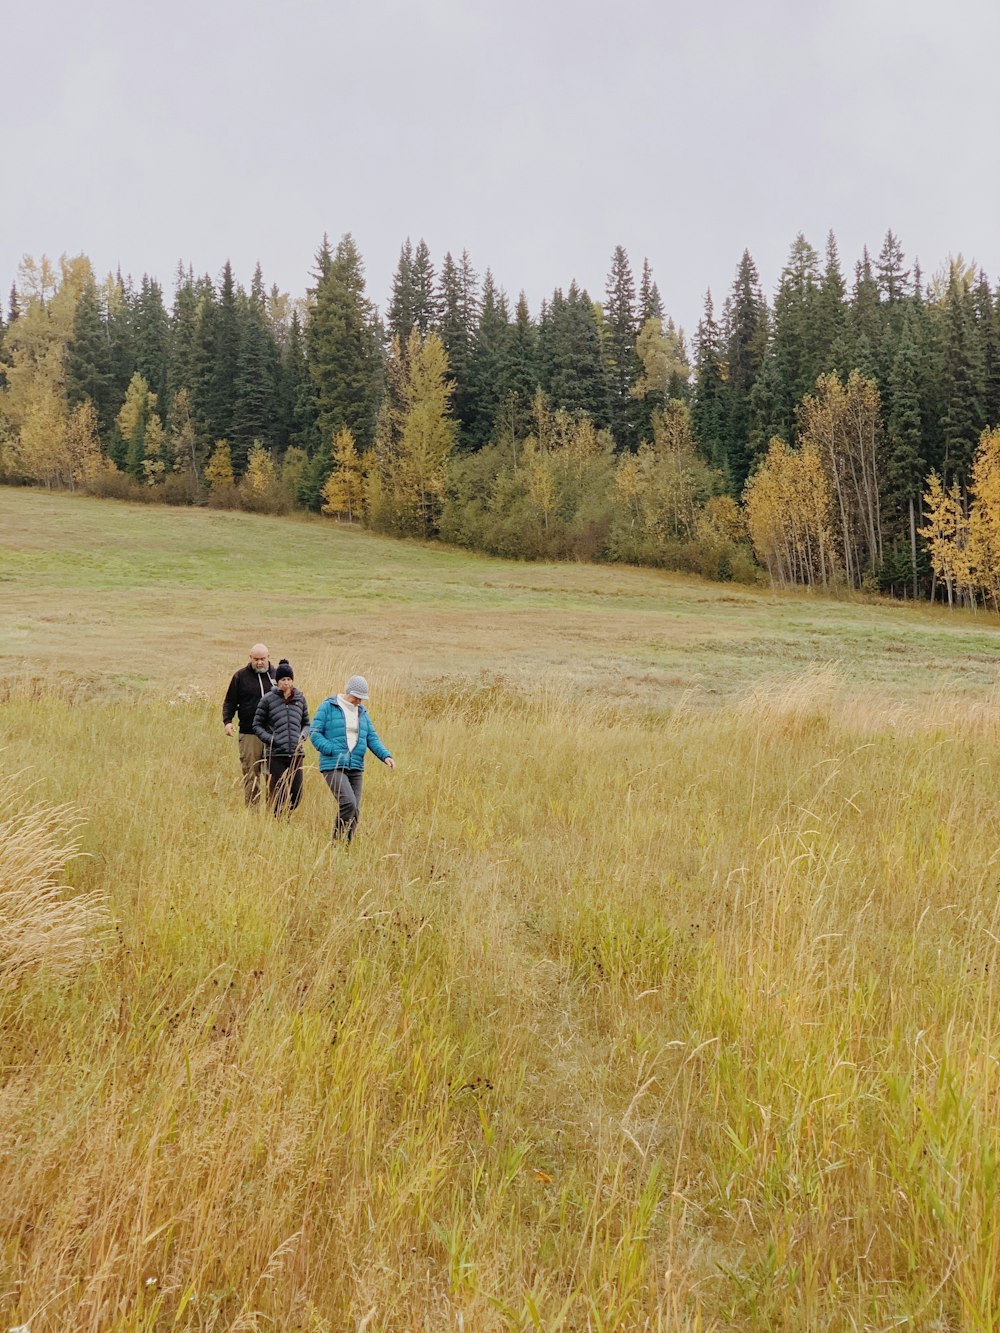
(350, 719)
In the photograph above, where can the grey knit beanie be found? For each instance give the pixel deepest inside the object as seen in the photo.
(357, 686)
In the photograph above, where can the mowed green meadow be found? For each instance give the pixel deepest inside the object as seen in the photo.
(658, 991)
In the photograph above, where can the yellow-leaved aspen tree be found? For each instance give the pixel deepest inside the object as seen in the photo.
(844, 423)
(946, 533)
(983, 550)
(261, 475)
(343, 488)
(82, 446)
(219, 468)
(427, 436)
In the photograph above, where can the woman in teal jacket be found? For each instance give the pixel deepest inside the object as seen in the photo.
(342, 732)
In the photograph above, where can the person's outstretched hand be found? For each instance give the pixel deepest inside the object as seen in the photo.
(390, 762)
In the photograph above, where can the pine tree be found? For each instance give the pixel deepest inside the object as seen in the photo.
(906, 464)
(254, 389)
(650, 304)
(402, 302)
(830, 311)
(88, 362)
(458, 317)
(708, 410)
(520, 374)
(572, 358)
(225, 345)
(620, 330)
(964, 418)
(151, 332)
(342, 346)
(892, 279)
(182, 361)
(488, 363)
(295, 404)
(798, 327)
(425, 310)
(745, 339)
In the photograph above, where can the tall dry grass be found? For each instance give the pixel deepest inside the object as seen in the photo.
(606, 1021)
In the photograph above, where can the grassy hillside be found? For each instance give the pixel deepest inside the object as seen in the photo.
(659, 990)
(143, 594)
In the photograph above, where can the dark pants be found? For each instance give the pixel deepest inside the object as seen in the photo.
(345, 784)
(284, 782)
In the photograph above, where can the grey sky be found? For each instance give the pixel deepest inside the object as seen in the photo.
(536, 135)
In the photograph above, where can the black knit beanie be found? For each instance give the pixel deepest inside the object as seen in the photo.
(284, 670)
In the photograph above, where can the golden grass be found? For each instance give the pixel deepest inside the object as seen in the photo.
(608, 1020)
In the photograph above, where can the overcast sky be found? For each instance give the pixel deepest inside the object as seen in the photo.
(537, 134)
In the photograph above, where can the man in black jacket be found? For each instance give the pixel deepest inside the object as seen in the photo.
(246, 689)
(281, 722)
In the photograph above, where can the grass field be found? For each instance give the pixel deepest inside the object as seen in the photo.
(659, 990)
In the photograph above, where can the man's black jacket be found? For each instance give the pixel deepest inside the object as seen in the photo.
(246, 689)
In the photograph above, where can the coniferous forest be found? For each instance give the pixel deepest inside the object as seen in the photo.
(843, 433)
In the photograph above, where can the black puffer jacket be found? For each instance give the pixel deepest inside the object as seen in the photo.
(281, 723)
(246, 689)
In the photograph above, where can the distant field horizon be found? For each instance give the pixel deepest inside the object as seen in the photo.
(140, 595)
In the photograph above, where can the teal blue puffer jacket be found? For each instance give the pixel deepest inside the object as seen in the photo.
(329, 735)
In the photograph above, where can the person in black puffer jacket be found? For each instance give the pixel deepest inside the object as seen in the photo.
(246, 689)
(282, 722)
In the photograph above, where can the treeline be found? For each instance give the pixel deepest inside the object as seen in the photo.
(816, 432)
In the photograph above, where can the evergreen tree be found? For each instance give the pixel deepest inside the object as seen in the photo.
(906, 464)
(425, 311)
(768, 409)
(254, 388)
(182, 362)
(798, 328)
(621, 328)
(88, 361)
(708, 409)
(458, 307)
(572, 356)
(225, 347)
(295, 404)
(402, 302)
(893, 280)
(342, 346)
(151, 331)
(864, 340)
(521, 373)
(650, 304)
(745, 339)
(118, 303)
(964, 417)
(830, 311)
(488, 363)
(13, 305)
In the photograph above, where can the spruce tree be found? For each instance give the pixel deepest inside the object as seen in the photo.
(964, 417)
(151, 332)
(621, 327)
(458, 316)
(893, 280)
(830, 311)
(488, 363)
(521, 370)
(221, 376)
(295, 404)
(88, 360)
(402, 302)
(650, 304)
(745, 340)
(572, 356)
(342, 347)
(425, 309)
(708, 408)
(254, 388)
(798, 328)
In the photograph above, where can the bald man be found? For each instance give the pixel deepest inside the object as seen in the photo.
(246, 689)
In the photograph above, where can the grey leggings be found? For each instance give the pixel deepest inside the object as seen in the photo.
(345, 784)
